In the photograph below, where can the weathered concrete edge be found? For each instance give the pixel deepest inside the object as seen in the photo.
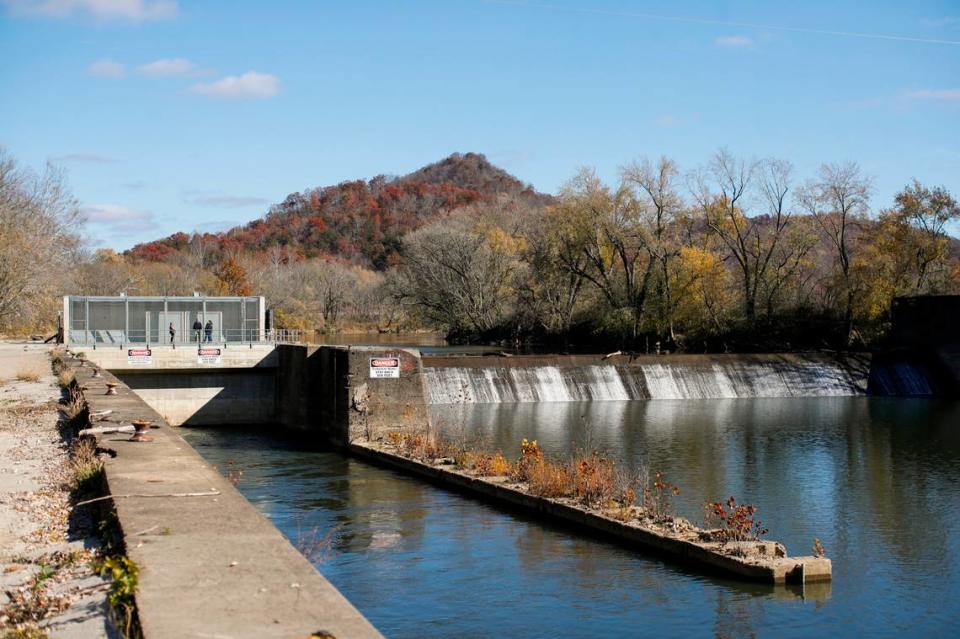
(780, 571)
(211, 565)
(859, 360)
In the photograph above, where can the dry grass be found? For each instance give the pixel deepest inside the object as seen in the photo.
(86, 468)
(65, 378)
(28, 376)
(425, 447)
(592, 479)
(495, 465)
(547, 479)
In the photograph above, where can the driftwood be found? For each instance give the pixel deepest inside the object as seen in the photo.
(613, 354)
(103, 430)
(209, 493)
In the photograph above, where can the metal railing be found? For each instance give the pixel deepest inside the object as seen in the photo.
(120, 338)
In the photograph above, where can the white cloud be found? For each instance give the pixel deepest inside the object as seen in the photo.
(946, 95)
(734, 41)
(126, 10)
(85, 158)
(106, 69)
(119, 219)
(167, 67)
(250, 85)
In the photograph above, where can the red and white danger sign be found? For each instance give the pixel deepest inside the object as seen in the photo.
(140, 356)
(208, 356)
(384, 367)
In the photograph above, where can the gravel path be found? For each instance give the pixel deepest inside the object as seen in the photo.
(46, 581)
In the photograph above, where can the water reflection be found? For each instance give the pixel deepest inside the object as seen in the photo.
(877, 480)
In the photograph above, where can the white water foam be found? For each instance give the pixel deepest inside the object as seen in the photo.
(718, 380)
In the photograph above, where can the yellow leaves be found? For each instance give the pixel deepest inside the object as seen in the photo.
(607, 253)
(502, 242)
(701, 286)
(107, 256)
(720, 217)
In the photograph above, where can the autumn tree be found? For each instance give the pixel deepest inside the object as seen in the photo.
(756, 241)
(457, 277)
(659, 205)
(918, 219)
(551, 291)
(232, 278)
(39, 243)
(604, 241)
(161, 278)
(106, 273)
(838, 199)
(702, 290)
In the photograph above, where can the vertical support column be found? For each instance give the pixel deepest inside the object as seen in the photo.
(166, 317)
(86, 319)
(66, 320)
(243, 318)
(203, 313)
(262, 317)
(126, 320)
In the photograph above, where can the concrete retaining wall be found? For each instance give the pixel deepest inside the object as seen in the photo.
(924, 337)
(210, 565)
(208, 397)
(165, 357)
(768, 568)
(328, 390)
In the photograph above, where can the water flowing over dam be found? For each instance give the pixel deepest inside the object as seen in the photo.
(572, 379)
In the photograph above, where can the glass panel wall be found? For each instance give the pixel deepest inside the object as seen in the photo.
(158, 320)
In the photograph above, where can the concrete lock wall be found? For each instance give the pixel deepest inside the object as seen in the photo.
(162, 356)
(328, 390)
(381, 405)
(238, 387)
(211, 397)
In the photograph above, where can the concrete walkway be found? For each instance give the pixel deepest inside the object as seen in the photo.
(210, 564)
(36, 530)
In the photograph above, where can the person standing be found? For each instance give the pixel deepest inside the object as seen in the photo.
(173, 333)
(208, 331)
(197, 328)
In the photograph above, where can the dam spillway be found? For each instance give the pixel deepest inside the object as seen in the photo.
(582, 378)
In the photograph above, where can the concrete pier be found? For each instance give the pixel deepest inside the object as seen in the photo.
(210, 565)
(765, 567)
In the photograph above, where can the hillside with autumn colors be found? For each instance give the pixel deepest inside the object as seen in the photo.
(357, 222)
(731, 254)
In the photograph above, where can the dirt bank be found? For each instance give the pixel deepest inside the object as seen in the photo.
(46, 581)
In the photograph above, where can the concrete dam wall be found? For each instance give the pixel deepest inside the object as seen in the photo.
(450, 380)
(333, 393)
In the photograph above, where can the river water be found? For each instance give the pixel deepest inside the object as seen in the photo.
(877, 480)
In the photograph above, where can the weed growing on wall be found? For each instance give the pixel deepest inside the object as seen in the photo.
(736, 522)
(124, 576)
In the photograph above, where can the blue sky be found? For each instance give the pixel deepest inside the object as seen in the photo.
(177, 115)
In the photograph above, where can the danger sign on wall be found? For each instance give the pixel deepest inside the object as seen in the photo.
(140, 356)
(208, 356)
(384, 367)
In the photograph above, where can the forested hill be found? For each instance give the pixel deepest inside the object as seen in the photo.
(359, 221)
